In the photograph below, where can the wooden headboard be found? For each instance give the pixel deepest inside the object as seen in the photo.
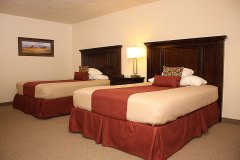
(203, 55)
(106, 59)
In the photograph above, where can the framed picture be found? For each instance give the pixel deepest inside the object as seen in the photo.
(35, 47)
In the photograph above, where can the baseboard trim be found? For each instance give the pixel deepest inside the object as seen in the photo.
(229, 120)
(6, 104)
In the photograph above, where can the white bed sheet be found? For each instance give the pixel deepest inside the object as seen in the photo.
(158, 107)
(60, 89)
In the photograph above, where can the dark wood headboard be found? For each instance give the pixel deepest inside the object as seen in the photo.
(106, 59)
(203, 55)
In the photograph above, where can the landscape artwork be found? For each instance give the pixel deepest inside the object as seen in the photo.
(35, 47)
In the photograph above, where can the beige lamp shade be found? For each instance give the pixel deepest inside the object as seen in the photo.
(135, 52)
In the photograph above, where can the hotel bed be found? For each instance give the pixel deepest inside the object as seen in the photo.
(155, 124)
(44, 99)
(144, 102)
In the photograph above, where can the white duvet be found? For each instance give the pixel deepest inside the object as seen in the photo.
(158, 107)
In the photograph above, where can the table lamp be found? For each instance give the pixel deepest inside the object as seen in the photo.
(135, 53)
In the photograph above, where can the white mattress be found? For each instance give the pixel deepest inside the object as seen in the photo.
(158, 107)
(60, 89)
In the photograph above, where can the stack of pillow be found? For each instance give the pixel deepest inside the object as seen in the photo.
(86, 73)
(96, 74)
(175, 76)
(188, 78)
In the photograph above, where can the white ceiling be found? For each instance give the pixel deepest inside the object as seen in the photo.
(66, 11)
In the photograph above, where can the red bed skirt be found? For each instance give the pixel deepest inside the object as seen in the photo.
(146, 141)
(43, 108)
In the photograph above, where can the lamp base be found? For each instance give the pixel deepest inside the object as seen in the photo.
(135, 76)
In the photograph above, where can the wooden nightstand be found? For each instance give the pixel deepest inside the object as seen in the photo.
(124, 80)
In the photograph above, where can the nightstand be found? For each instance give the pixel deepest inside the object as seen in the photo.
(124, 80)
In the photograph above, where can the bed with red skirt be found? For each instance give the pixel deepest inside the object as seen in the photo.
(55, 98)
(145, 141)
(122, 117)
(205, 56)
(45, 99)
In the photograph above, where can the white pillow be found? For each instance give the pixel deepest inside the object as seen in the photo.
(94, 71)
(98, 76)
(187, 72)
(192, 80)
(151, 80)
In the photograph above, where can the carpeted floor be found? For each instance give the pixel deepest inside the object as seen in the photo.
(23, 137)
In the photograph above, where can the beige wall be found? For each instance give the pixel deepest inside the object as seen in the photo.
(162, 20)
(165, 20)
(14, 68)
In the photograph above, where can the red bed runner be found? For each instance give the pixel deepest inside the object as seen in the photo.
(29, 87)
(113, 102)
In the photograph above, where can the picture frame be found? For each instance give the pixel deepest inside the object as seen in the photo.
(35, 47)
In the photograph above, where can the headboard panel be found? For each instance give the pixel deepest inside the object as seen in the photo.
(203, 55)
(106, 59)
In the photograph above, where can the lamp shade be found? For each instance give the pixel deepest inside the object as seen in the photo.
(135, 52)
